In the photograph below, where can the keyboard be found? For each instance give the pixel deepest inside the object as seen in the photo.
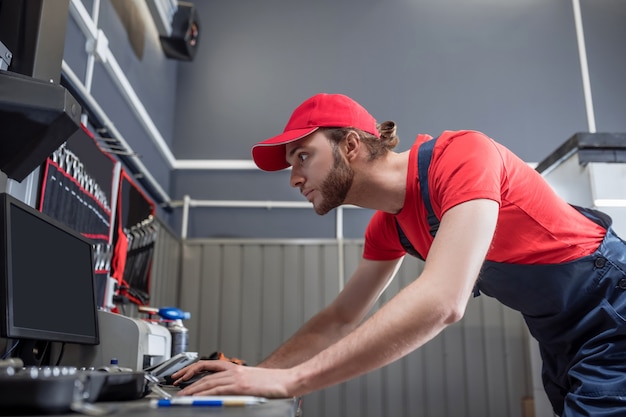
(55, 389)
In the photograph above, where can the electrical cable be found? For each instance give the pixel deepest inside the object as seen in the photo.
(10, 349)
(61, 354)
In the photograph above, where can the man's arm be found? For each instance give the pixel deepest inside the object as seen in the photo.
(329, 325)
(410, 319)
(417, 313)
(338, 318)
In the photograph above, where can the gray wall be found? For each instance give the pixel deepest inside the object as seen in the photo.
(166, 266)
(605, 34)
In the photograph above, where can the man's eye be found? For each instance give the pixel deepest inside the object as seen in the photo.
(302, 157)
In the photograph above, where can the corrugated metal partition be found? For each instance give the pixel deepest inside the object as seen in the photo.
(165, 271)
(246, 297)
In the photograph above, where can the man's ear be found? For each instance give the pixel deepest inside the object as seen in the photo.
(352, 145)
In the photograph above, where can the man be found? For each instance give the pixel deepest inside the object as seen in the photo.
(483, 221)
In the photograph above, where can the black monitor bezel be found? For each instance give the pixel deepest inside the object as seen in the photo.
(7, 328)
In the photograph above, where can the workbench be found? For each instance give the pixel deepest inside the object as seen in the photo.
(142, 408)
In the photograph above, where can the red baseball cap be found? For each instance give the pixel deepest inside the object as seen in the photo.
(321, 110)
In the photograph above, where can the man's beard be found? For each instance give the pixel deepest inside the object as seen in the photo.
(335, 187)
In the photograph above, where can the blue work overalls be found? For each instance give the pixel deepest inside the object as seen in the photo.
(576, 311)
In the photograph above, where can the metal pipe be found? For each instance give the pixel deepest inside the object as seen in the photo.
(215, 164)
(247, 204)
(187, 203)
(91, 57)
(340, 248)
(185, 222)
(584, 66)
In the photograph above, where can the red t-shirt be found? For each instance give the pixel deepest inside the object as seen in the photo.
(535, 225)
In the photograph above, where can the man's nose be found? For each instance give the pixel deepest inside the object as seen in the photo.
(296, 178)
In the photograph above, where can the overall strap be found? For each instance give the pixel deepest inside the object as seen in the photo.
(406, 244)
(424, 156)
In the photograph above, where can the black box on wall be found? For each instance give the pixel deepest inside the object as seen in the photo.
(183, 41)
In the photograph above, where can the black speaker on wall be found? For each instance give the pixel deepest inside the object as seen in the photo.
(183, 41)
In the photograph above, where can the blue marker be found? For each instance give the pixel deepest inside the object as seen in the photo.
(209, 401)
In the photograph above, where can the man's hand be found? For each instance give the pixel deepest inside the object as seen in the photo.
(231, 379)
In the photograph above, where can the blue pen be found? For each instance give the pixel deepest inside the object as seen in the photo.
(208, 401)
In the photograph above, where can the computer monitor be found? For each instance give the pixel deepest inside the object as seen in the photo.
(46, 278)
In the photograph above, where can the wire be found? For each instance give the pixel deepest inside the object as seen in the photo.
(60, 354)
(11, 349)
(45, 352)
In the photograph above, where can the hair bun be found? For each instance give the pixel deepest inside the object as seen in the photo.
(387, 129)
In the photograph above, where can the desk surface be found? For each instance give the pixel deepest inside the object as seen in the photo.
(273, 408)
(145, 406)
(142, 408)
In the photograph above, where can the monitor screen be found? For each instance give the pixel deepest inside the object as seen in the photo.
(47, 278)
